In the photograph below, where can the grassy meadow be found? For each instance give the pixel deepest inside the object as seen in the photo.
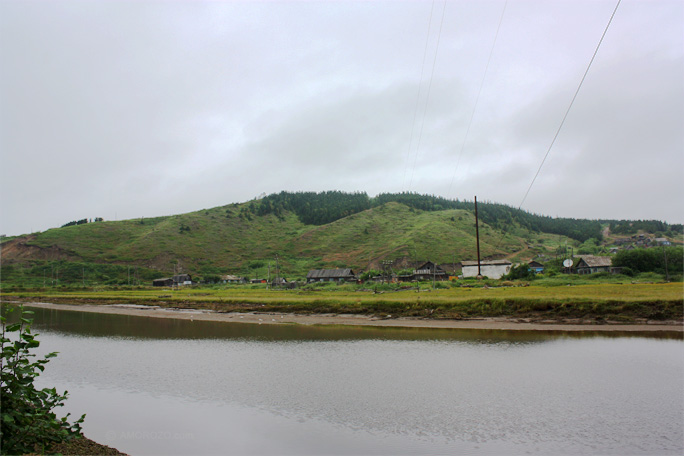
(617, 301)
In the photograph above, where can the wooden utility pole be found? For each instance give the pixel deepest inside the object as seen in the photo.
(277, 272)
(667, 274)
(477, 236)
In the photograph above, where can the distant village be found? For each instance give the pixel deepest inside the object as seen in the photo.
(429, 271)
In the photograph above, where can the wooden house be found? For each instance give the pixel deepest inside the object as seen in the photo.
(429, 271)
(330, 275)
(589, 264)
(165, 282)
(175, 281)
(233, 279)
(536, 266)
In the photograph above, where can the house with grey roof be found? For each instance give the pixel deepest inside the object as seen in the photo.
(330, 275)
(590, 264)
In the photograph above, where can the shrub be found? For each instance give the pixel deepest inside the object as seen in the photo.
(627, 271)
(521, 271)
(28, 423)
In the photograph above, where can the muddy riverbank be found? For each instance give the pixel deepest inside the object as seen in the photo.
(273, 318)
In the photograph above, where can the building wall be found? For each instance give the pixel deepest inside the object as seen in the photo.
(495, 271)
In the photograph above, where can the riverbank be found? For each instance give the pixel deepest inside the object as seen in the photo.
(277, 318)
(597, 304)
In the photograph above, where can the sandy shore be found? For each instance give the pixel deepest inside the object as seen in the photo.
(355, 320)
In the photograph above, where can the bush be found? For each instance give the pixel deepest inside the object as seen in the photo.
(28, 423)
(627, 271)
(521, 271)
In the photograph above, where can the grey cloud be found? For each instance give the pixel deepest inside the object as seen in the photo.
(148, 108)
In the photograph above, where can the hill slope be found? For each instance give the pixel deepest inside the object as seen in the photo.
(305, 230)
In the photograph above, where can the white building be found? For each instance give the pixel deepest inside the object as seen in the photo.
(494, 269)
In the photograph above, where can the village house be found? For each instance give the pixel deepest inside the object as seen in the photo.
(330, 275)
(233, 279)
(536, 266)
(429, 271)
(175, 281)
(494, 269)
(589, 264)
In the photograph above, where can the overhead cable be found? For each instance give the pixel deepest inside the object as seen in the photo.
(477, 99)
(566, 112)
(420, 84)
(427, 98)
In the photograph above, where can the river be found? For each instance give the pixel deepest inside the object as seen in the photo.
(165, 386)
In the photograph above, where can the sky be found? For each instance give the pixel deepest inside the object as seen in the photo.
(129, 109)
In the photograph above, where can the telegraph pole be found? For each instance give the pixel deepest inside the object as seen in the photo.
(434, 271)
(477, 235)
(277, 272)
(385, 265)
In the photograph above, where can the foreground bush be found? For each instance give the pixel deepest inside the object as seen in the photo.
(28, 423)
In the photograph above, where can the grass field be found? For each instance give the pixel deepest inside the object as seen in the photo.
(596, 302)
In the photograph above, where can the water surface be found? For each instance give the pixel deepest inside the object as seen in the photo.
(162, 386)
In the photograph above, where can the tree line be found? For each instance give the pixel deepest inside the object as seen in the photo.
(651, 260)
(320, 208)
(83, 222)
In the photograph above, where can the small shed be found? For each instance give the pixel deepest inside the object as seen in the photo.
(330, 275)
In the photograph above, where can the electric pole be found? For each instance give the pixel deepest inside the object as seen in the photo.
(667, 274)
(477, 236)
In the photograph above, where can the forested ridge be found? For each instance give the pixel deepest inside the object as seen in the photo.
(314, 208)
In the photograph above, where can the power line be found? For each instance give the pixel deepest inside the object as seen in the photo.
(566, 113)
(571, 103)
(427, 98)
(420, 84)
(477, 99)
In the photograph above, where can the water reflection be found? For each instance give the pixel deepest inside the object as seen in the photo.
(137, 327)
(162, 386)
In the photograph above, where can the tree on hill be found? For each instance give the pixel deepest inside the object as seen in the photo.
(325, 207)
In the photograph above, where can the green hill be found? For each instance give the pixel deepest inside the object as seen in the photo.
(305, 230)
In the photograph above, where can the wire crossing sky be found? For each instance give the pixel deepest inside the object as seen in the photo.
(560, 127)
(138, 109)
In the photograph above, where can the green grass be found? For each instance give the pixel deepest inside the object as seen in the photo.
(209, 240)
(596, 302)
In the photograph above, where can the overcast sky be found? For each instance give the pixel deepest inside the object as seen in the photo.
(123, 109)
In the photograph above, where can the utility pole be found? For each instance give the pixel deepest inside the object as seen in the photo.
(434, 271)
(385, 265)
(83, 277)
(477, 235)
(268, 283)
(277, 271)
(667, 274)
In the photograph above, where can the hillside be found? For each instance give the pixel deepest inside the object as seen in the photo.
(308, 230)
